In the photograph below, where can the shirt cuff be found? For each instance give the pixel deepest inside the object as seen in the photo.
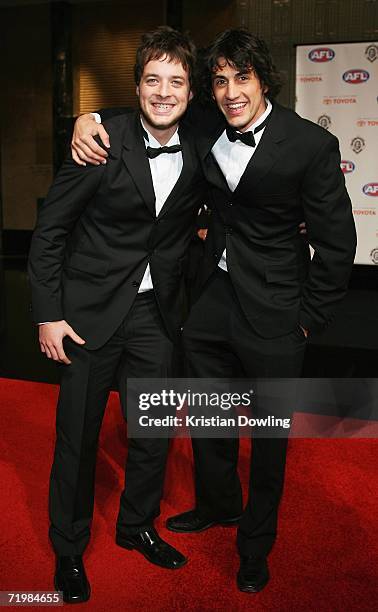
(97, 117)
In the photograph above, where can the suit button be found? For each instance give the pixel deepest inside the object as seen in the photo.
(135, 284)
(228, 230)
(216, 255)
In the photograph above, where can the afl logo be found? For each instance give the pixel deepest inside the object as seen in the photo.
(371, 189)
(321, 54)
(347, 166)
(356, 76)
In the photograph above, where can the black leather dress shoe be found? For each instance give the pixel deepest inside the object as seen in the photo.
(253, 574)
(191, 522)
(150, 544)
(70, 577)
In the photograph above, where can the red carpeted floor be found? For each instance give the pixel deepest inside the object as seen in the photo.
(325, 557)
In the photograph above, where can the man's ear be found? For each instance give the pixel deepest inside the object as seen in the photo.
(190, 95)
(265, 88)
(137, 90)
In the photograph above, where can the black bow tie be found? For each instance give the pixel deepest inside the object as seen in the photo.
(154, 152)
(247, 138)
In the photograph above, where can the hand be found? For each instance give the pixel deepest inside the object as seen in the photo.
(83, 146)
(302, 228)
(51, 340)
(202, 233)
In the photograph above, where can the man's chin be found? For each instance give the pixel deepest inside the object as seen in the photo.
(162, 123)
(237, 123)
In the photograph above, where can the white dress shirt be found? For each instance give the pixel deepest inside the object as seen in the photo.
(165, 171)
(234, 157)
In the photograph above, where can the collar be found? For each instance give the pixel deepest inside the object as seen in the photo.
(265, 114)
(150, 140)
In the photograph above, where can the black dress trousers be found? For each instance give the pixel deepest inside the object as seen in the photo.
(140, 348)
(219, 342)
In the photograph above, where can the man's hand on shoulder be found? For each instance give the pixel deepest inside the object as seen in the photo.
(51, 340)
(83, 145)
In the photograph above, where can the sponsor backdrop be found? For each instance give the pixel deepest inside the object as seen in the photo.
(336, 87)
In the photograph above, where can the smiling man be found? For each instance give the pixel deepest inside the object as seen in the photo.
(239, 94)
(262, 295)
(106, 271)
(267, 169)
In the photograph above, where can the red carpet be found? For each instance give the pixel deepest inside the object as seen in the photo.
(325, 557)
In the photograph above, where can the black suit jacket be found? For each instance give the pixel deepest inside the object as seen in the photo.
(294, 175)
(97, 229)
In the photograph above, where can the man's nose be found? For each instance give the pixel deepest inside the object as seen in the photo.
(163, 89)
(232, 91)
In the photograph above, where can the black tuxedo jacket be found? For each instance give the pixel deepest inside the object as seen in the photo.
(294, 175)
(97, 230)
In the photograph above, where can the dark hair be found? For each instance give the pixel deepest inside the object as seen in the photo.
(165, 41)
(243, 50)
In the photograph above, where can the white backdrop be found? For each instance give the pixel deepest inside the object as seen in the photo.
(336, 87)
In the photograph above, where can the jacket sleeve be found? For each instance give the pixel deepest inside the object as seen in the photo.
(331, 232)
(68, 196)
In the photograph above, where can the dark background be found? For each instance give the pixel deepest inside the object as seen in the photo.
(59, 59)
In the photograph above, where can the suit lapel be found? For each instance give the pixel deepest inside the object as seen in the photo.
(215, 175)
(213, 172)
(267, 152)
(186, 174)
(136, 161)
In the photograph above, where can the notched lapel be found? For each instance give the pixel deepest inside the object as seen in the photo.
(136, 160)
(214, 174)
(186, 175)
(212, 171)
(267, 151)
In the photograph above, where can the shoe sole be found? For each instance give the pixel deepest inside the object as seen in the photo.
(229, 523)
(75, 601)
(129, 546)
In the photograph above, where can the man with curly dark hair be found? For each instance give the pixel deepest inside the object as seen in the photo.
(261, 293)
